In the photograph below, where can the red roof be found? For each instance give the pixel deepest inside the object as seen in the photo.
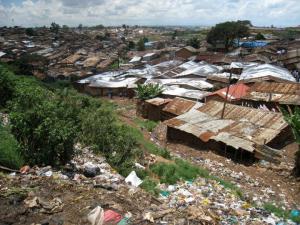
(236, 91)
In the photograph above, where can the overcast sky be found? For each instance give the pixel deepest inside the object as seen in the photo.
(148, 12)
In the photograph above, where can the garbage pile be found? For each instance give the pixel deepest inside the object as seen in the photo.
(214, 202)
(201, 201)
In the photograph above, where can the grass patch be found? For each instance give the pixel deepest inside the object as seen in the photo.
(148, 145)
(150, 186)
(149, 125)
(173, 172)
(10, 155)
(279, 211)
(22, 192)
(183, 170)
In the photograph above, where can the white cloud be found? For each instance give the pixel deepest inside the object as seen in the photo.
(149, 12)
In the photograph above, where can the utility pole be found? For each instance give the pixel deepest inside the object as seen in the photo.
(223, 111)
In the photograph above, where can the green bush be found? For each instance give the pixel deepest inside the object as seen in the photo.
(294, 121)
(10, 155)
(44, 124)
(148, 91)
(7, 86)
(101, 130)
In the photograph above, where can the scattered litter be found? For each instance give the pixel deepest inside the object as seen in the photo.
(133, 179)
(112, 216)
(96, 216)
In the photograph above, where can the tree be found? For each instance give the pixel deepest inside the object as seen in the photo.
(174, 35)
(7, 86)
(260, 36)
(131, 45)
(65, 27)
(54, 27)
(294, 122)
(100, 26)
(194, 42)
(145, 39)
(141, 45)
(226, 33)
(30, 32)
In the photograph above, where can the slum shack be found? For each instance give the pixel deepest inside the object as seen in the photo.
(241, 132)
(177, 107)
(121, 87)
(152, 109)
(273, 96)
(186, 52)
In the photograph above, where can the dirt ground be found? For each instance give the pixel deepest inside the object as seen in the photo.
(77, 201)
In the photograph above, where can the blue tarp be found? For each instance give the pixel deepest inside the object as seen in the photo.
(253, 44)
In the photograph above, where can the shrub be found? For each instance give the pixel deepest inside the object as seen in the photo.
(148, 91)
(7, 86)
(149, 125)
(294, 122)
(100, 129)
(43, 124)
(10, 155)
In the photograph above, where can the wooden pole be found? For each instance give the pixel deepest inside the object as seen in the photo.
(227, 91)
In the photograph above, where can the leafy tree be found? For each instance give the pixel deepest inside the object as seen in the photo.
(226, 33)
(30, 32)
(174, 35)
(145, 39)
(131, 45)
(141, 45)
(245, 22)
(26, 63)
(260, 36)
(100, 26)
(194, 42)
(65, 27)
(54, 27)
(148, 91)
(7, 86)
(294, 121)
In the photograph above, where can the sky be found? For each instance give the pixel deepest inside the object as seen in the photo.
(148, 12)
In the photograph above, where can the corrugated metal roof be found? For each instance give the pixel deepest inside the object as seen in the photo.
(179, 106)
(283, 93)
(283, 88)
(235, 92)
(266, 70)
(158, 101)
(241, 127)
